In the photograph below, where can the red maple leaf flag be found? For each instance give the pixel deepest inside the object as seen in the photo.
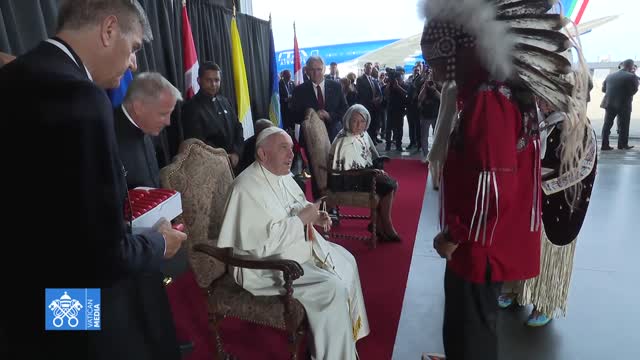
(297, 68)
(189, 56)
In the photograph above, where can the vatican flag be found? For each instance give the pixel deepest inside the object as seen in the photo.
(240, 81)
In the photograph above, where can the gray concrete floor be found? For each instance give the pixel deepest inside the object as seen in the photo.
(603, 320)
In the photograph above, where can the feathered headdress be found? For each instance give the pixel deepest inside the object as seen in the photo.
(515, 39)
(521, 41)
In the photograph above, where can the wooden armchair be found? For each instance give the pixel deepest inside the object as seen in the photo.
(203, 176)
(318, 148)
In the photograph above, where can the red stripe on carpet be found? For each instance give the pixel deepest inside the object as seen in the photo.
(383, 273)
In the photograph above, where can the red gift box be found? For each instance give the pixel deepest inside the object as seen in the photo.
(146, 206)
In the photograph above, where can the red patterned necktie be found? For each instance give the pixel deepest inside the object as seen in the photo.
(320, 98)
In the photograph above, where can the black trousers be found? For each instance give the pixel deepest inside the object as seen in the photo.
(624, 120)
(470, 318)
(382, 116)
(395, 124)
(413, 118)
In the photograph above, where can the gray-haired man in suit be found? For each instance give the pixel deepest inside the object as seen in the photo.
(619, 88)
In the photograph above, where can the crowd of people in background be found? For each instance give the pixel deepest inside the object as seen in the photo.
(390, 97)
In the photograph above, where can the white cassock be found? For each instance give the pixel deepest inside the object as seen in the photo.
(261, 222)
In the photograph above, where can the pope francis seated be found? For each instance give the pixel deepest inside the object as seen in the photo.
(268, 217)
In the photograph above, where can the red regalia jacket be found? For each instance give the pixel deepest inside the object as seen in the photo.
(490, 187)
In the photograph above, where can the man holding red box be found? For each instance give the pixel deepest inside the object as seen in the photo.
(145, 111)
(65, 187)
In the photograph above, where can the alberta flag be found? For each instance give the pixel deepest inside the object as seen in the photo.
(274, 106)
(240, 80)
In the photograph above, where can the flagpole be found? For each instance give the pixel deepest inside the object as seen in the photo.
(234, 8)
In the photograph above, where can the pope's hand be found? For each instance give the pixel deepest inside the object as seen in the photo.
(323, 220)
(309, 214)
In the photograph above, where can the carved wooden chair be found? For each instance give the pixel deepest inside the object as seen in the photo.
(318, 148)
(203, 176)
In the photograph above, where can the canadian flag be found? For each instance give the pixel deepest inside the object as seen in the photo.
(189, 56)
(298, 78)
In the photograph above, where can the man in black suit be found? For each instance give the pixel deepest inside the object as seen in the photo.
(619, 88)
(333, 72)
(67, 187)
(370, 96)
(145, 111)
(286, 87)
(325, 97)
(209, 116)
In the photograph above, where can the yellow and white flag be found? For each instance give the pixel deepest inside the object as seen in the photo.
(240, 81)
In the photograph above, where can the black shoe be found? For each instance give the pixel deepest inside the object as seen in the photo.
(606, 148)
(626, 147)
(388, 238)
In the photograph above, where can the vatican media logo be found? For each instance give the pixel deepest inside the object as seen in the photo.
(72, 309)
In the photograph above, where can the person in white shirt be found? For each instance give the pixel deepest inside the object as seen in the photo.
(268, 217)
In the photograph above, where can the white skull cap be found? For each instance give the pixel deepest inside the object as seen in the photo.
(264, 134)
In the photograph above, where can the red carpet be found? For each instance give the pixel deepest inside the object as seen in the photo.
(383, 272)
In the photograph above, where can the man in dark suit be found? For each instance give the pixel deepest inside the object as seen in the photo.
(619, 88)
(209, 116)
(286, 87)
(325, 97)
(67, 187)
(370, 96)
(145, 111)
(333, 72)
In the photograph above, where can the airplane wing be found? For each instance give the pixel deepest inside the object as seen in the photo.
(586, 27)
(390, 55)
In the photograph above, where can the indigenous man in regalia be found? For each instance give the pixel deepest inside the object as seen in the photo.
(493, 56)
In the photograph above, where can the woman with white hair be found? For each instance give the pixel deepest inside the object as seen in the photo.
(353, 149)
